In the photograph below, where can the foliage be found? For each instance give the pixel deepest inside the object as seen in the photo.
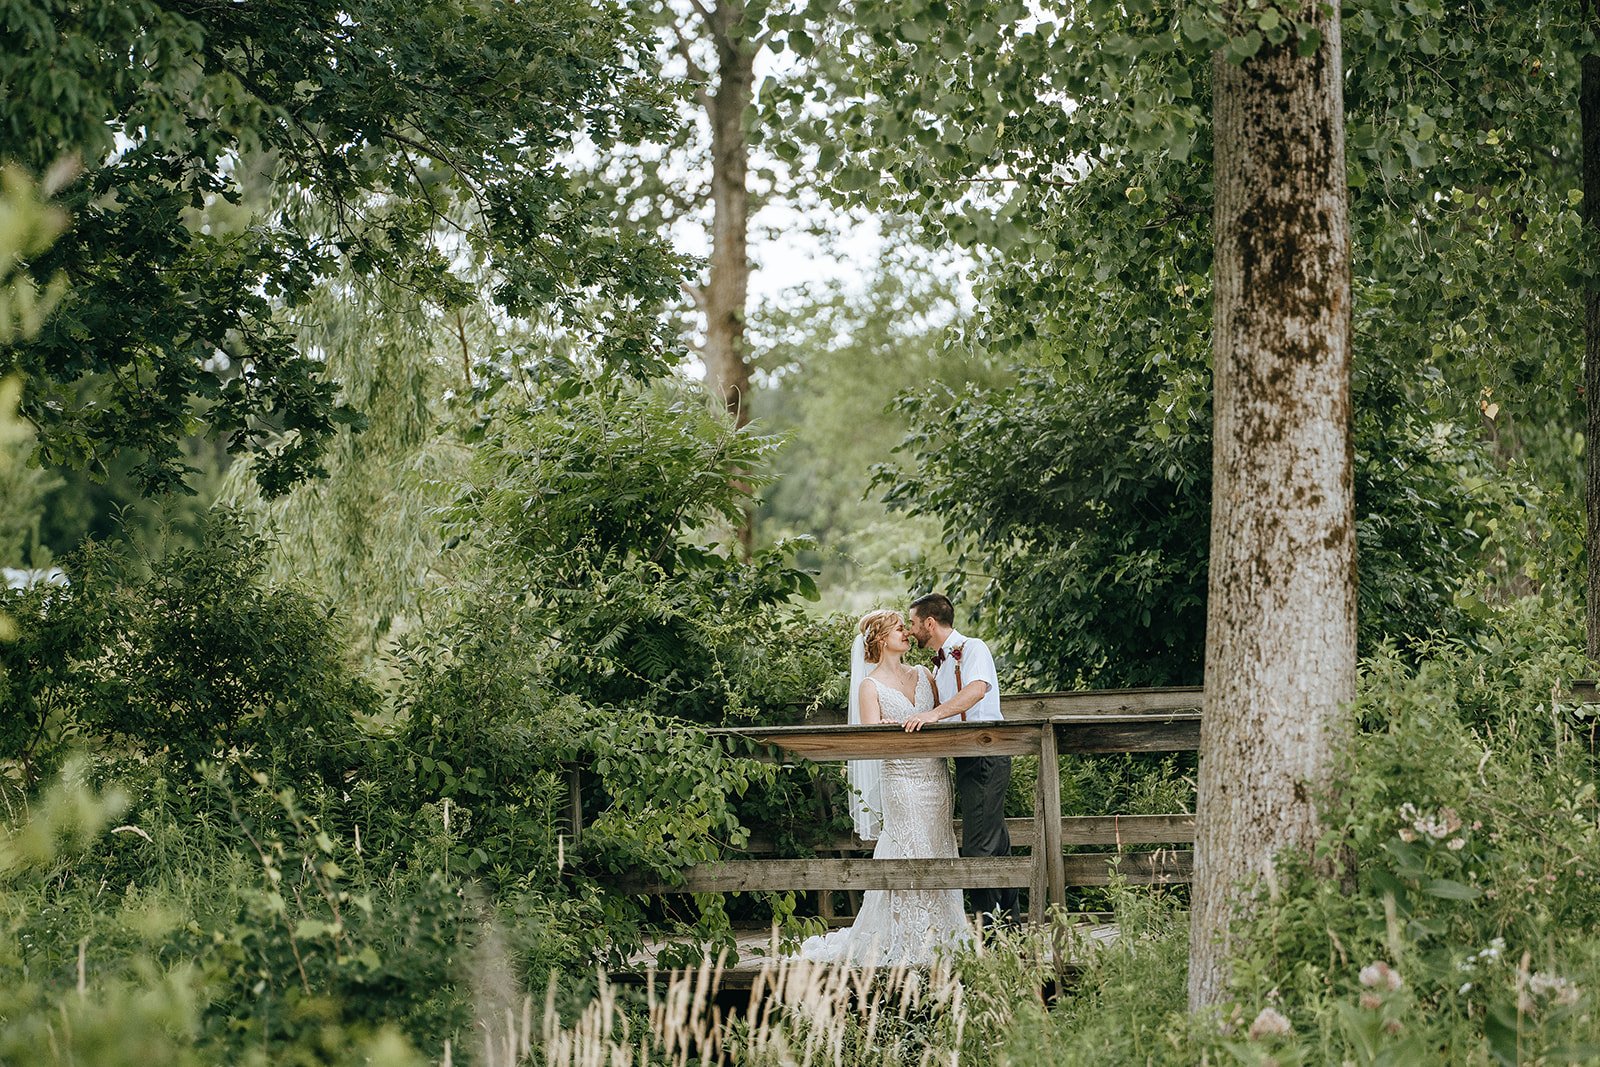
(28, 225)
(210, 954)
(832, 362)
(192, 657)
(1085, 548)
(366, 535)
(1069, 146)
(589, 509)
(237, 158)
(1447, 915)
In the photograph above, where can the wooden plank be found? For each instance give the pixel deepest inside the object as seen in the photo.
(1128, 829)
(1078, 734)
(1116, 830)
(745, 876)
(1085, 869)
(1089, 734)
(824, 743)
(1034, 707)
(1050, 825)
(1584, 691)
(1164, 867)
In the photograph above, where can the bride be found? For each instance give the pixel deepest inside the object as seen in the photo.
(905, 804)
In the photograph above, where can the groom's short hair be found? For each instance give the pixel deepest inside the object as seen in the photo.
(935, 606)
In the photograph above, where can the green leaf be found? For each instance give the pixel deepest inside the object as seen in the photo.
(1451, 890)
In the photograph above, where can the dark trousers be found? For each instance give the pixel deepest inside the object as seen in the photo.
(982, 783)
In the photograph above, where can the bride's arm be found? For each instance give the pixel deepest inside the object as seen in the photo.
(871, 713)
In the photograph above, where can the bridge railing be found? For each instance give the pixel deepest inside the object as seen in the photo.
(1046, 725)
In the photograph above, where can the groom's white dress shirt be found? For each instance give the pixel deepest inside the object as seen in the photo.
(977, 662)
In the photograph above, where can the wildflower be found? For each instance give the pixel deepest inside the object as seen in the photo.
(1379, 973)
(1270, 1023)
(1466, 987)
(1371, 1001)
(1562, 990)
(1455, 844)
(1391, 1026)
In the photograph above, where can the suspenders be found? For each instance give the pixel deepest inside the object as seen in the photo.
(958, 685)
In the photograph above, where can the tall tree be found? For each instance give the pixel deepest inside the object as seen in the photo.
(725, 293)
(1589, 119)
(716, 42)
(724, 296)
(1281, 616)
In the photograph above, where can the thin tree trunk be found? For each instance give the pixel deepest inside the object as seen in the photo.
(1589, 120)
(727, 287)
(1281, 623)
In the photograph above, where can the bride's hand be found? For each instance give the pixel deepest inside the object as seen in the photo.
(919, 720)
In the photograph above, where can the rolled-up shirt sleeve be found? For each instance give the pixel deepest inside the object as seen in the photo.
(977, 663)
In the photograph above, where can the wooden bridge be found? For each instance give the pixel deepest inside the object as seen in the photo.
(1044, 725)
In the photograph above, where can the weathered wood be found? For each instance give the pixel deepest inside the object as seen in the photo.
(1039, 883)
(833, 743)
(1128, 829)
(1090, 734)
(1584, 690)
(1035, 707)
(1168, 731)
(1075, 830)
(1164, 867)
(745, 876)
(1084, 869)
(1049, 832)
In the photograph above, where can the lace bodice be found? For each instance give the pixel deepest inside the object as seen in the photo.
(893, 703)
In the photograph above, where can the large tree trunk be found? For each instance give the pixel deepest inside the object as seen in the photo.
(1589, 120)
(1281, 622)
(727, 288)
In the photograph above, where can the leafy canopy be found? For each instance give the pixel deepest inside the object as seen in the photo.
(239, 156)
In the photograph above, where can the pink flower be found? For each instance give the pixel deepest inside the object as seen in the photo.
(1379, 973)
(1270, 1023)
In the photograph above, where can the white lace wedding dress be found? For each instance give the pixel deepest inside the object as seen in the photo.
(904, 926)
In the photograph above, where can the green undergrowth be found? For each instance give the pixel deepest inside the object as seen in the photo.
(1448, 915)
(223, 843)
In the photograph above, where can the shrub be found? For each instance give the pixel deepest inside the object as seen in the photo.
(190, 654)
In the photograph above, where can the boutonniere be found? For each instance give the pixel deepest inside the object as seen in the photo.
(940, 656)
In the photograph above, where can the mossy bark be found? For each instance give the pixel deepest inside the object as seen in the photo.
(1589, 123)
(1281, 616)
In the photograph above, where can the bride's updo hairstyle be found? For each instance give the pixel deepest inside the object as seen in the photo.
(875, 627)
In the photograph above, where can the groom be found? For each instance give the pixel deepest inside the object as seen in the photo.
(964, 673)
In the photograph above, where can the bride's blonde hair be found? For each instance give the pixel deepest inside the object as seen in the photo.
(875, 627)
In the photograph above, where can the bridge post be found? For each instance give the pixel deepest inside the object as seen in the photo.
(1049, 830)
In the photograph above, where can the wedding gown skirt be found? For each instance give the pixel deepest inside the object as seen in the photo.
(904, 926)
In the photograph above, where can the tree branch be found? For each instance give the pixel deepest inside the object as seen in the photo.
(696, 74)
